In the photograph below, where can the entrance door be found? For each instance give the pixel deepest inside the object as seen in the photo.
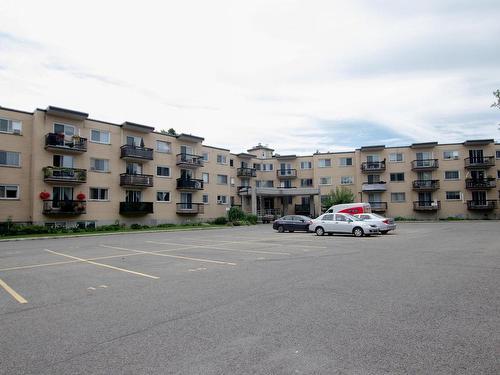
(476, 156)
(134, 168)
(133, 196)
(425, 198)
(187, 201)
(424, 159)
(477, 175)
(479, 197)
(186, 174)
(61, 194)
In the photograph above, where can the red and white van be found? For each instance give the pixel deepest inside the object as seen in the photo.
(350, 208)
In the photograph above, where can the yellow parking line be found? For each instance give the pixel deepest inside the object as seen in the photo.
(221, 248)
(103, 265)
(12, 292)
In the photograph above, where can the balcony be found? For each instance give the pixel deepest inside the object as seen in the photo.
(373, 166)
(136, 180)
(425, 185)
(246, 172)
(378, 206)
(189, 161)
(480, 162)
(189, 184)
(244, 190)
(482, 205)
(59, 142)
(131, 152)
(424, 165)
(286, 173)
(426, 205)
(374, 186)
(136, 208)
(62, 175)
(190, 208)
(64, 207)
(486, 183)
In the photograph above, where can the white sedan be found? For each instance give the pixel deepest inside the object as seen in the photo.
(384, 224)
(342, 223)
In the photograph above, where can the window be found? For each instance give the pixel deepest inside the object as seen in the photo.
(396, 157)
(325, 180)
(397, 177)
(451, 175)
(346, 180)
(306, 182)
(204, 156)
(162, 171)
(205, 177)
(99, 136)
(231, 162)
(9, 191)
(221, 159)
(10, 126)
(99, 194)
(134, 141)
(324, 163)
(99, 165)
(163, 196)
(305, 165)
(267, 167)
(222, 179)
(498, 174)
(498, 154)
(133, 168)
(345, 162)
(162, 146)
(67, 130)
(265, 183)
(328, 217)
(205, 198)
(221, 199)
(450, 155)
(9, 158)
(398, 197)
(453, 196)
(65, 161)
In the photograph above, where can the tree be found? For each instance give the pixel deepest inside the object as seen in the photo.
(496, 104)
(338, 196)
(170, 131)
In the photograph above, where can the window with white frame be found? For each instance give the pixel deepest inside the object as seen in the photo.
(163, 196)
(163, 146)
(98, 194)
(205, 198)
(222, 179)
(66, 161)
(325, 163)
(134, 141)
(267, 167)
(100, 136)
(10, 126)
(205, 156)
(306, 165)
(99, 165)
(10, 159)
(452, 175)
(162, 171)
(67, 130)
(450, 155)
(396, 157)
(453, 195)
(9, 191)
(346, 180)
(325, 180)
(398, 197)
(221, 199)
(345, 162)
(205, 177)
(221, 159)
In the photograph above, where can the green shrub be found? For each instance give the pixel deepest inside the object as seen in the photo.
(220, 220)
(235, 214)
(252, 219)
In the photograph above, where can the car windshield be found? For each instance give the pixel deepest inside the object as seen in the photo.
(353, 218)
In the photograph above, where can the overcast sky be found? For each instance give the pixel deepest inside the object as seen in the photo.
(300, 76)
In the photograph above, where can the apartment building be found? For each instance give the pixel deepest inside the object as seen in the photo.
(58, 166)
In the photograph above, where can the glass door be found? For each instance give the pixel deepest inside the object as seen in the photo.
(133, 196)
(61, 194)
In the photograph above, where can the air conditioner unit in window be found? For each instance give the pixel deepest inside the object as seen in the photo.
(455, 157)
(17, 131)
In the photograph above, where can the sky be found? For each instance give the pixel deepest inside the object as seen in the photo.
(299, 76)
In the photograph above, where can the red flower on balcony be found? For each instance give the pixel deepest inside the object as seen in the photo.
(80, 196)
(44, 195)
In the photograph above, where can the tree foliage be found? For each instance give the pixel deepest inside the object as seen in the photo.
(339, 196)
(170, 131)
(496, 104)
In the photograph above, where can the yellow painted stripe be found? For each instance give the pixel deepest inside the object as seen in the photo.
(12, 292)
(221, 248)
(103, 265)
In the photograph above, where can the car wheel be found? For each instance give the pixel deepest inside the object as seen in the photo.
(281, 229)
(384, 231)
(320, 231)
(358, 232)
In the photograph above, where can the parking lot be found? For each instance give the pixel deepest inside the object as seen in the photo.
(424, 299)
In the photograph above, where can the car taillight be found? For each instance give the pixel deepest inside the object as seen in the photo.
(385, 221)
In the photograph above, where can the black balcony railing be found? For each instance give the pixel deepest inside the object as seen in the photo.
(489, 204)
(378, 206)
(246, 172)
(426, 205)
(373, 166)
(424, 164)
(136, 152)
(189, 184)
(189, 160)
(69, 143)
(64, 207)
(480, 162)
(487, 183)
(190, 208)
(425, 184)
(286, 173)
(136, 208)
(136, 180)
(64, 175)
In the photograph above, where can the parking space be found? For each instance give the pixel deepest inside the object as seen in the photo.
(239, 285)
